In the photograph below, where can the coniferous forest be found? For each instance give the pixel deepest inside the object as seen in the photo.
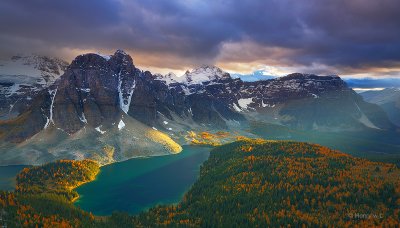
(248, 183)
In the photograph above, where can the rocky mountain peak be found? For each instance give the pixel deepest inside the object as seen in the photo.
(91, 60)
(35, 67)
(120, 52)
(122, 57)
(102, 96)
(205, 73)
(170, 78)
(88, 61)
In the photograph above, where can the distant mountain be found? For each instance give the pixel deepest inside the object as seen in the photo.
(257, 75)
(22, 77)
(388, 99)
(104, 108)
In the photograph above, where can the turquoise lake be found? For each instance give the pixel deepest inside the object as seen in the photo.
(138, 184)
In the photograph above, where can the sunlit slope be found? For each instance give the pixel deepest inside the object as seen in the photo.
(119, 140)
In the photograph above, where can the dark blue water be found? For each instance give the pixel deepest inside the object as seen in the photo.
(7, 176)
(138, 184)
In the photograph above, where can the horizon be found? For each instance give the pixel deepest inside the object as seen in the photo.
(359, 84)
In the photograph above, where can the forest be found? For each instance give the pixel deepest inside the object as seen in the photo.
(273, 183)
(247, 183)
(44, 194)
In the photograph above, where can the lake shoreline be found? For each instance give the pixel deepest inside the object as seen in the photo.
(141, 183)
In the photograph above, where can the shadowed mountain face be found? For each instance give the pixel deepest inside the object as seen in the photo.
(388, 99)
(100, 96)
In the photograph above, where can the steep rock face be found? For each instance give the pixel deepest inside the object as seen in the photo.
(186, 98)
(104, 108)
(85, 94)
(84, 114)
(95, 90)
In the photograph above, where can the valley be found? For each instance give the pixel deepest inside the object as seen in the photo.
(252, 181)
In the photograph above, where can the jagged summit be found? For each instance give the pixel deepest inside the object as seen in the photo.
(120, 51)
(98, 98)
(169, 78)
(198, 75)
(122, 55)
(205, 73)
(96, 59)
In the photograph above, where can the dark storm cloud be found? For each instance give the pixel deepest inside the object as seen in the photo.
(360, 34)
(59, 23)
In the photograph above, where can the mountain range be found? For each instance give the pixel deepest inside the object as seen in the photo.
(388, 99)
(105, 108)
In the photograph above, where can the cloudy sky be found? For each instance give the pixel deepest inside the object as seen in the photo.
(357, 38)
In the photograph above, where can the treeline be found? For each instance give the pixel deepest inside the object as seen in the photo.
(60, 177)
(262, 183)
(44, 194)
(251, 183)
(41, 210)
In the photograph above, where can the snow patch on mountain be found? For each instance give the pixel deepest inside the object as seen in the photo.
(121, 125)
(196, 76)
(264, 105)
(82, 118)
(50, 118)
(125, 95)
(203, 74)
(99, 130)
(31, 69)
(245, 102)
(106, 57)
(237, 109)
(364, 119)
(170, 78)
